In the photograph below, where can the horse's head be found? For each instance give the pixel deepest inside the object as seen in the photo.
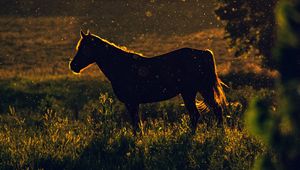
(85, 52)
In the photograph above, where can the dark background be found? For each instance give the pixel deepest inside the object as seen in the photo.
(167, 17)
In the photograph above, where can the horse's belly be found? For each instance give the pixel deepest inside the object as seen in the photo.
(155, 94)
(144, 94)
(156, 98)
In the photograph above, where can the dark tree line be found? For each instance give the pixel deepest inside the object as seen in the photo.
(250, 23)
(283, 135)
(273, 28)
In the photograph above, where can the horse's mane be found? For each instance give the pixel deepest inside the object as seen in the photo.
(123, 48)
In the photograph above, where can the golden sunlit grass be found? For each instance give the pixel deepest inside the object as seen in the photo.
(53, 119)
(58, 142)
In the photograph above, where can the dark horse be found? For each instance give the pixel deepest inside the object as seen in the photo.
(136, 79)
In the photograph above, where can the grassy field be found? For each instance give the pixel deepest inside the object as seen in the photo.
(52, 119)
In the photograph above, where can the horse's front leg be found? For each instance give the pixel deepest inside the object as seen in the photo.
(133, 110)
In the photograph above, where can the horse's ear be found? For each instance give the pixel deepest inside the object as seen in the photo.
(88, 32)
(82, 34)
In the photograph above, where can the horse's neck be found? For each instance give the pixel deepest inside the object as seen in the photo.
(112, 61)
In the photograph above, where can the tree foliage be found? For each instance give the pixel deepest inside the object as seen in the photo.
(249, 24)
(281, 129)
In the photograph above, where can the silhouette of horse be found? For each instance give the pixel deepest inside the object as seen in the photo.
(136, 79)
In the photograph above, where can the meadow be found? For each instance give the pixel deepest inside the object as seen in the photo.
(53, 119)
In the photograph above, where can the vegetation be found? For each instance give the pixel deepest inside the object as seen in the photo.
(49, 137)
(280, 128)
(39, 129)
(250, 25)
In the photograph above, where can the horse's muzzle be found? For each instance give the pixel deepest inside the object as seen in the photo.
(74, 67)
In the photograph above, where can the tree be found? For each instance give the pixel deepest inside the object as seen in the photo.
(281, 129)
(249, 23)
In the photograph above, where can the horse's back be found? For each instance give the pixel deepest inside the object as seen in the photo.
(165, 76)
(162, 77)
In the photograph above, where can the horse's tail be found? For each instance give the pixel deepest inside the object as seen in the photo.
(215, 82)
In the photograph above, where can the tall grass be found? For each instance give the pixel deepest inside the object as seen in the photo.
(104, 140)
(65, 124)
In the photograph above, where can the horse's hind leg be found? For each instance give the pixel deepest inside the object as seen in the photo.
(189, 102)
(208, 96)
(133, 110)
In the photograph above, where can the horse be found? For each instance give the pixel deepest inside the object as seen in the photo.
(136, 79)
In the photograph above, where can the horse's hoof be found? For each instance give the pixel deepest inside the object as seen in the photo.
(193, 130)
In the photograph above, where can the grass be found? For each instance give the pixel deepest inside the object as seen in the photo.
(103, 139)
(51, 119)
(40, 129)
